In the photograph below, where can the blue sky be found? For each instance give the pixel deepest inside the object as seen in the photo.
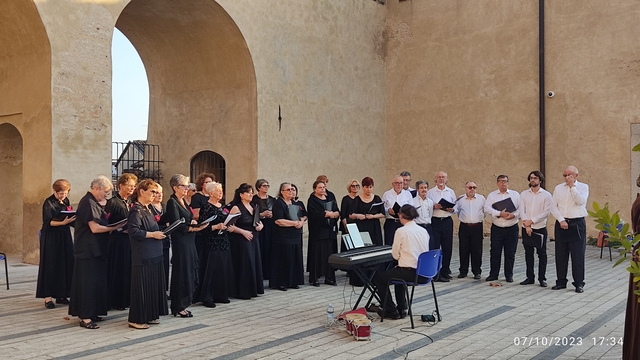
(130, 90)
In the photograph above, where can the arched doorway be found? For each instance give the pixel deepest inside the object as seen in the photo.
(202, 83)
(210, 162)
(25, 127)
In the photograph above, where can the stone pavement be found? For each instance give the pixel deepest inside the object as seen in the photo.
(478, 322)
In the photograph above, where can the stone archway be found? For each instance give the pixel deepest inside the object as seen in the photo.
(202, 83)
(25, 126)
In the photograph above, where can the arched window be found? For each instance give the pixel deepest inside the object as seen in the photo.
(211, 162)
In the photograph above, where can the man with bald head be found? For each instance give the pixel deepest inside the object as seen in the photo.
(391, 197)
(570, 208)
(442, 223)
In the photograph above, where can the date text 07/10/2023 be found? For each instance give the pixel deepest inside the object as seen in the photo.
(565, 341)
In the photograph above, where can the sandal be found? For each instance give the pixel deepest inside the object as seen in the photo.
(89, 325)
(138, 326)
(154, 322)
(49, 305)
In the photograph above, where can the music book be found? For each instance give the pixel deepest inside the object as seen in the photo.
(266, 204)
(356, 238)
(206, 221)
(230, 220)
(506, 205)
(64, 214)
(366, 239)
(329, 205)
(173, 226)
(536, 240)
(119, 222)
(347, 241)
(294, 212)
(446, 204)
(256, 216)
(374, 205)
(396, 210)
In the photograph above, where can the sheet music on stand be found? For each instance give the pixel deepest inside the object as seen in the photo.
(173, 226)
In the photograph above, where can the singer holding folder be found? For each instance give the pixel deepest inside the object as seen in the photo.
(444, 199)
(393, 199)
(502, 205)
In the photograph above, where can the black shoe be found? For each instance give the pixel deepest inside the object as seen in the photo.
(447, 276)
(491, 278)
(559, 287)
(282, 288)
(527, 282)
(315, 283)
(509, 279)
(477, 277)
(222, 301)
(209, 304)
(63, 301)
(330, 282)
(579, 289)
(462, 276)
(90, 325)
(543, 283)
(183, 314)
(389, 315)
(295, 287)
(49, 305)
(443, 279)
(402, 313)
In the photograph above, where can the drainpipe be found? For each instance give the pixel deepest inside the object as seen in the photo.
(542, 86)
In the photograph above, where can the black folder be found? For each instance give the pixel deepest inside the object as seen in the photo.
(171, 228)
(294, 212)
(265, 204)
(64, 214)
(396, 210)
(446, 204)
(256, 215)
(536, 239)
(506, 205)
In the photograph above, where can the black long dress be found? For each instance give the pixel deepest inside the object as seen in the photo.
(265, 236)
(197, 201)
(322, 239)
(184, 270)
(56, 253)
(89, 285)
(119, 268)
(245, 256)
(161, 219)
(345, 205)
(287, 268)
(372, 226)
(148, 294)
(217, 279)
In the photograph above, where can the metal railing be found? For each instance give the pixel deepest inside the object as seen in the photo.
(136, 157)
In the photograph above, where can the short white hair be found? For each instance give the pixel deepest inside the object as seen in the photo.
(101, 183)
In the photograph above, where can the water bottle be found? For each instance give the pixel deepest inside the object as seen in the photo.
(330, 315)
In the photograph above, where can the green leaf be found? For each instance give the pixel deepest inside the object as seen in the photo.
(620, 261)
(636, 148)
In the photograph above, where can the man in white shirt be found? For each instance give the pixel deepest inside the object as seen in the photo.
(410, 241)
(406, 182)
(470, 211)
(504, 229)
(441, 223)
(424, 205)
(535, 206)
(396, 195)
(570, 208)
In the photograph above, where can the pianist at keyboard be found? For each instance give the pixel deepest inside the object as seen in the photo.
(409, 242)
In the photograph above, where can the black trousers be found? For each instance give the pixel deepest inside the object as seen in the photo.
(390, 227)
(428, 228)
(380, 281)
(542, 256)
(443, 238)
(471, 236)
(570, 243)
(503, 238)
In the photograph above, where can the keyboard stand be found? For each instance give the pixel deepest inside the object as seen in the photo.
(368, 283)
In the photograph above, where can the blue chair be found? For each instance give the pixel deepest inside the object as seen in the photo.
(429, 264)
(3, 256)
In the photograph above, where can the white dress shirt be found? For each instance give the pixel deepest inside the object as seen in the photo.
(570, 203)
(496, 196)
(425, 209)
(436, 195)
(470, 210)
(535, 206)
(390, 197)
(409, 242)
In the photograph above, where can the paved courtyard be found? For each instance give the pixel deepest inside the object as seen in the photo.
(478, 322)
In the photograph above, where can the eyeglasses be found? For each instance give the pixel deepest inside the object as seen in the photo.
(565, 175)
(355, 185)
(265, 185)
(183, 186)
(397, 183)
(472, 187)
(154, 192)
(503, 181)
(289, 189)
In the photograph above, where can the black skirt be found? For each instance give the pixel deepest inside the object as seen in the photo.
(247, 266)
(148, 296)
(286, 265)
(217, 279)
(89, 288)
(318, 259)
(119, 270)
(56, 263)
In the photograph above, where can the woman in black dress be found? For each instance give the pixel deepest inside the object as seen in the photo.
(159, 211)
(148, 296)
(89, 285)
(217, 280)
(119, 270)
(287, 270)
(245, 248)
(199, 198)
(353, 188)
(184, 272)
(323, 217)
(365, 214)
(265, 202)
(56, 247)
